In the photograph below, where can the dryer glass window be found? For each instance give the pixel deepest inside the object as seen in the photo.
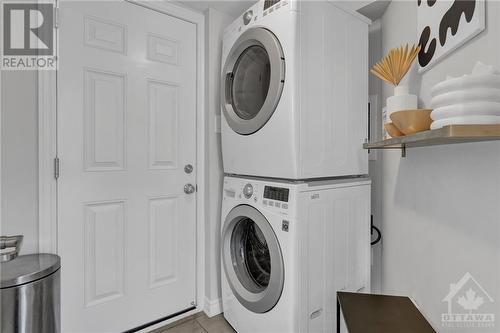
(250, 82)
(250, 256)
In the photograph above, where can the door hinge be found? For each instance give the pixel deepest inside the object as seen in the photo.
(56, 17)
(56, 168)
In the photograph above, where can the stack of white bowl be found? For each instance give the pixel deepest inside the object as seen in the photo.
(472, 99)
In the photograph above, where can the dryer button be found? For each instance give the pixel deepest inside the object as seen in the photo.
(284, 206)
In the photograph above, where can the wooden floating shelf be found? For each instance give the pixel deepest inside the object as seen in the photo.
(447, 135)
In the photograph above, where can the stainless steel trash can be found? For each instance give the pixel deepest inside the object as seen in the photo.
(30, 294)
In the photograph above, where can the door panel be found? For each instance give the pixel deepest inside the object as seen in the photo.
(163, 113)
(104, 120)
(126, 128)
(163, 255)
(104, 251)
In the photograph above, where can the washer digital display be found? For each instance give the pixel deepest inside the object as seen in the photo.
(276, 193)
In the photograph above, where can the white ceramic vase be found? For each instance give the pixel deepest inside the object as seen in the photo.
(402, 100)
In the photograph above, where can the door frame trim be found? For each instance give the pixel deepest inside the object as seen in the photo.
(47, 145)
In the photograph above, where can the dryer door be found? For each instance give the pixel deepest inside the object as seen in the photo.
(252, 80)
(252, 259)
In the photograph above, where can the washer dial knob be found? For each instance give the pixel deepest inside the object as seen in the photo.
(248, 191)
(247, 17)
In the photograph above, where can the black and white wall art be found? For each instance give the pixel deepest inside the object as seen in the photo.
(445, 25)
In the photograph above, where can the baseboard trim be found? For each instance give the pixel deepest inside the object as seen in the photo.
(213, 307)
(168, 321)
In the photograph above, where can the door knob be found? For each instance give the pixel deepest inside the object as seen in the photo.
(189, 189)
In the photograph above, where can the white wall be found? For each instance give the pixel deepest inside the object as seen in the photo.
(441, 205)
(19, 158)
(216, 22)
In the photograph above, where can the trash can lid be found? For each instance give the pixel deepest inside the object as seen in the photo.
(27, 268)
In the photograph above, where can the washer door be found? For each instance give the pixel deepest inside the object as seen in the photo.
(252, 80)
(252, 259)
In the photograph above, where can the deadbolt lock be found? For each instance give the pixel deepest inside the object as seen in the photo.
(188, 168)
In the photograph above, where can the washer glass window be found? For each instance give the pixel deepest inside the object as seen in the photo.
(250, 84)
(250, 255)
(252, 259)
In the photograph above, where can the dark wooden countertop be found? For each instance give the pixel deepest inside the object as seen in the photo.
(369, 313)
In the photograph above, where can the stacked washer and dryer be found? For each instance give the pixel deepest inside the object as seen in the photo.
(296, 200)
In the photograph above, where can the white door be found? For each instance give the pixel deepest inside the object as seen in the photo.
(126, 129)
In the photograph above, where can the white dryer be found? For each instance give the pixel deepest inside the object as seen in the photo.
(294, 91)
(287, 247)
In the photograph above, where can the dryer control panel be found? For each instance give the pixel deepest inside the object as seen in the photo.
(258, 11)
(269, 3)
(272, 5)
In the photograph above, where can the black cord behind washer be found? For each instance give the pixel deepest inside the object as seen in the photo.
(377, 230)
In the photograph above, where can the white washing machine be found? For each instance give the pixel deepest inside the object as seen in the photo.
(287, 247)
(294, 91)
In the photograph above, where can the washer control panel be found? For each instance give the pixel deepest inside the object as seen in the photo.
(276, 197)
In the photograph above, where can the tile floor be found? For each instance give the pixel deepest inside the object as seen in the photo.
(198, 323)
